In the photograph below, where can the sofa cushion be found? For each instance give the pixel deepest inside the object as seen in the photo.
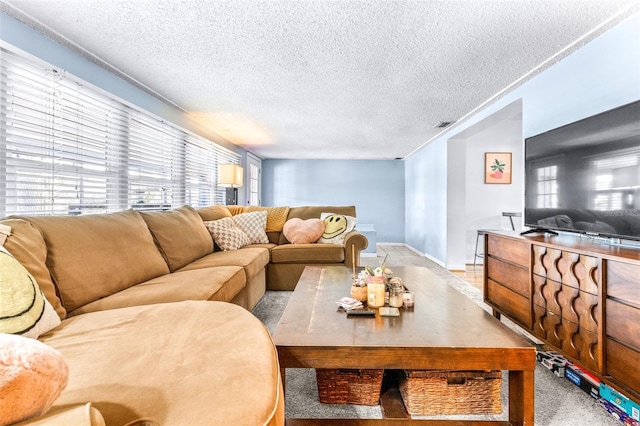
(252, 259)
(221, 283)
(226, 234)
(97, 255)
(236, 209)
(27, 245)
(180, 235)
(253, 224)
(24, 309)
(177, 363)
(214, 212)
(308, 253)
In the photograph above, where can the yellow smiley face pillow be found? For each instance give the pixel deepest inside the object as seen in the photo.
(336, 227)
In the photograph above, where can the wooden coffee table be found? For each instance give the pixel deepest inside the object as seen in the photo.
(444, 331)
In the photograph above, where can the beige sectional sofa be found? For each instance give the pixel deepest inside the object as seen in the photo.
(287, 261)
(146, 329)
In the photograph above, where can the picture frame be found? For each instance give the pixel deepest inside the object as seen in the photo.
(497, 168)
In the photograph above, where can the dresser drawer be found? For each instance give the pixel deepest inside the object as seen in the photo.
(623, 282)
(578, 307)
(511, 276)
(623, 323)
(575, 341)
(622, 362)
(513, 304)
(508, 249)
(572, 269)
(580, 344)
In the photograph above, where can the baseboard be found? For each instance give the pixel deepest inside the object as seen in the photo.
(431, 258)
(456, 267)
(368, 254)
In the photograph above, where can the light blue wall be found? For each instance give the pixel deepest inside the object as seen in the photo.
(375, 187)
(40, 46)
(426, 178)
(601, 75)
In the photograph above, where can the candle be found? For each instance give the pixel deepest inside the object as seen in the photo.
(408, 299)
(375, 291)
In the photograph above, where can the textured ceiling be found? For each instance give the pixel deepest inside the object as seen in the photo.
(322, 79)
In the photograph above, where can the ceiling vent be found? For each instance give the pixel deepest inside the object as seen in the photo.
(443, 124)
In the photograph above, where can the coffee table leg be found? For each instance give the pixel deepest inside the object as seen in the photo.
(521, 391)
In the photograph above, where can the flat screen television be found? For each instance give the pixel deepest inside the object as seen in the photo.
(585, 177)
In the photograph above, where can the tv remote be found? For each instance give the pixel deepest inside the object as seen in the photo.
(359, 313)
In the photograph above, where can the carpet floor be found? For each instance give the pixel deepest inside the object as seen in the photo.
(557, 401)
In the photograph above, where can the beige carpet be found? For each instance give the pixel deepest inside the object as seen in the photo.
(557, 401)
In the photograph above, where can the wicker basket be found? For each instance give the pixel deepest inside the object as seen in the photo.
(346, 386)
(434, 392)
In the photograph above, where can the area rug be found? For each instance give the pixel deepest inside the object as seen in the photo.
(557, 401)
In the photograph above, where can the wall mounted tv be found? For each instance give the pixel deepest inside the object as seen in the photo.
(585, 177)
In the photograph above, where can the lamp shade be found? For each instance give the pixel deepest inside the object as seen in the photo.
(230, 175)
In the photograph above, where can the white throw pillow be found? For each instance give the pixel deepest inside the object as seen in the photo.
(24, 309)
(254, 225)
(336, 227)
(226, 234)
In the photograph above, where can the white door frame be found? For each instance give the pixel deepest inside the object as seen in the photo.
(254, 182)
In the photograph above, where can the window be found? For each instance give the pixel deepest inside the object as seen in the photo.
(253, 185)
(67, 148)
(547, 187)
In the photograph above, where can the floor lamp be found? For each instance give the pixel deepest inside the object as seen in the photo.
(231, 176)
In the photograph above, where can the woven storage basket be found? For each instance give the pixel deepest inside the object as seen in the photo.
(434, 392)
(346, 386)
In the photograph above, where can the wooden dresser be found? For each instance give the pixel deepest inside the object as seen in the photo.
(579, 296)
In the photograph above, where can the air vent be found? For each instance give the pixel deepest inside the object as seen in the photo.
(443, 124)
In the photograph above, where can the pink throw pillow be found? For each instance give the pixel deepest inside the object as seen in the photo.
(32, 375)
(299, 231)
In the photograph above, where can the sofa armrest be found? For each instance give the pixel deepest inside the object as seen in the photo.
(354, 243)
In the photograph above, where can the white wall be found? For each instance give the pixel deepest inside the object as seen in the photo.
(601, 75)
(471, 203)
(456, 201)
(484, 203)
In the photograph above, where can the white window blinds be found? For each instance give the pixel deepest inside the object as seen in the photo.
(67, 148)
